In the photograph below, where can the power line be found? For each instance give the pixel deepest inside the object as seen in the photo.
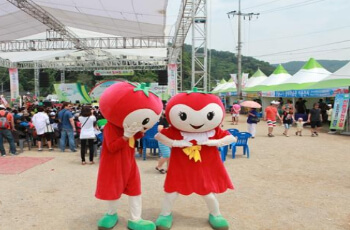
(291, 6)
(261, 4)
(302, 35)
(310, 47)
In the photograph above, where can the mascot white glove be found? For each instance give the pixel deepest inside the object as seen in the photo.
(130, 131)
(217, 143)
(181, 143)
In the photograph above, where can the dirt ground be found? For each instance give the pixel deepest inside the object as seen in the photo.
(288, 183)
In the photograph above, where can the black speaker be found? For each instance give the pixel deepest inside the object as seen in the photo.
(163, 77)
(47, 103)
(44, 79)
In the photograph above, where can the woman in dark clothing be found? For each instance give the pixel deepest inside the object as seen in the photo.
(252, 121)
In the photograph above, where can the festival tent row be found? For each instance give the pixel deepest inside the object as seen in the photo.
(230, 86)
(338, 79)
(307, 82)
(278, 76)
(256, 79)
(311, 73)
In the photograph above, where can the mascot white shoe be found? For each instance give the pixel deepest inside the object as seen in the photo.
(195, 165)
(130, 111)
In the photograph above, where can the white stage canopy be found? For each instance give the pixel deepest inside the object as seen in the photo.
(115, 17)
(86, 19)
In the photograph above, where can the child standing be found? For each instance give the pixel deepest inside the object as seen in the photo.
(287, 120)
(236, 108)
(300, 126)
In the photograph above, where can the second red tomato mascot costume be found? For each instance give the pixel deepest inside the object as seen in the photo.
(195, 165)
(130, 110)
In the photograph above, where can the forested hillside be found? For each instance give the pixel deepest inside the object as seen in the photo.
(222, 64)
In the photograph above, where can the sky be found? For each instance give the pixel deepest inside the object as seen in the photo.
(285, 30)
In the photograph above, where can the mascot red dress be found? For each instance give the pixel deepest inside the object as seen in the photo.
(195, 165)
(130, 111)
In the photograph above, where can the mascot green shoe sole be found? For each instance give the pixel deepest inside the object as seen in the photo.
(107, 222)
(218, 222)
(164, 222)
(141, 225)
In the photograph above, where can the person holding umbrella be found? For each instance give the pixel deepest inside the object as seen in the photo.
(252, 116)
(252, 121)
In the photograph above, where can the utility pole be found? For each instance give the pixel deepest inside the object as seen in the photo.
(239, 46)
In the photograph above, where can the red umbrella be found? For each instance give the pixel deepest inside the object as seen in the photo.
(251, 104)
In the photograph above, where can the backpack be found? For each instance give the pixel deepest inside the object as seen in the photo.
(4, 123)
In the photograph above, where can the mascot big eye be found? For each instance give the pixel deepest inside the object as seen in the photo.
(195, 165)
(130, 110)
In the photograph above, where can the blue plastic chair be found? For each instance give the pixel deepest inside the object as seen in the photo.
(148, 141)
(223, 150)
(234, 132)
(242, 140)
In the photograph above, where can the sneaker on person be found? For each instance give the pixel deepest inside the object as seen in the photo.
(40, 149)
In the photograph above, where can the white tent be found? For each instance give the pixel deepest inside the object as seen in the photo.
(219, 86)
(310, 73)
(278, 76)
(338, 79)
(256, 79)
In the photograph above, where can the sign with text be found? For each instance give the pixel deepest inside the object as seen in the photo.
(126, 72)
(340, 110)
(172, 79)
(14, 85)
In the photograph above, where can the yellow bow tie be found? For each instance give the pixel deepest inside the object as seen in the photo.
(131, 142)
(193, 152)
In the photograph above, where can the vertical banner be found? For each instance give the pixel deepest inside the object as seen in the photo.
(172, 79)
(234, 78)
(4, 101)
(14, 83)
(340, 110)
(244, 79)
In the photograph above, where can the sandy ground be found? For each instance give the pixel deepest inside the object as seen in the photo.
(288, 183)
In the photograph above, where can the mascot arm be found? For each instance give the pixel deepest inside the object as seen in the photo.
(164, 139)
(226, 140)
(116, 143)
(170, 142)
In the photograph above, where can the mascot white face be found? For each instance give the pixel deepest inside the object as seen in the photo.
(187, 119)
(195, 112)
(145, 117)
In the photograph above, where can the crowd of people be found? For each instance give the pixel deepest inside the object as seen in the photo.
(52, 126)
(288, 114)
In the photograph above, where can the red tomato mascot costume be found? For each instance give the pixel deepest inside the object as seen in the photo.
(130, 111)
(195, 165)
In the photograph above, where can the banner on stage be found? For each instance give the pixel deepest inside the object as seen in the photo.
(14, 85)
(126, 72)
(172, 79)
(340, 110)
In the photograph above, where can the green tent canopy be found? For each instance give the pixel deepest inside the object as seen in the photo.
(278, 76)
(338, 79)
(311, 73)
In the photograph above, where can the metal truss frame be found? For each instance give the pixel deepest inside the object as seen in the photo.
(90, 43)
(35, 11)
(81, 65)
(58, 37)
(199, 77)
